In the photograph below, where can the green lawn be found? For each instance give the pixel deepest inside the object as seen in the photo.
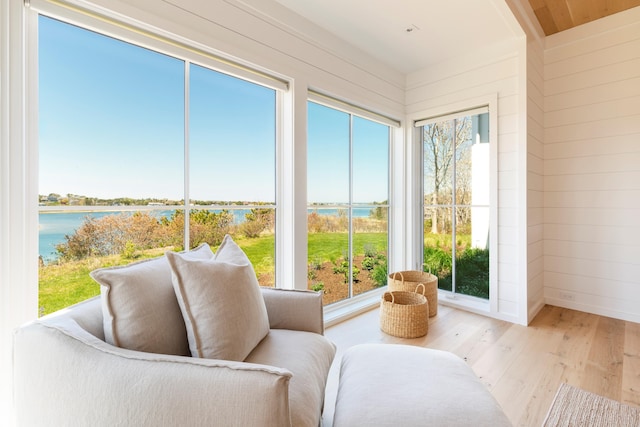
(68, 283)
(65, 284)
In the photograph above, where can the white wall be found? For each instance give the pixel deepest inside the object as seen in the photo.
(592, 167)
(447, 87)
(535, 171)
(533, 121)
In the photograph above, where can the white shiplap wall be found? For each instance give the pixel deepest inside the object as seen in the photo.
(592, 167)
(535, 172)
(491, 72)
(535, 159)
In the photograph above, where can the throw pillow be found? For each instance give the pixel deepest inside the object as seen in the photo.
(221, 303)
(139, 307)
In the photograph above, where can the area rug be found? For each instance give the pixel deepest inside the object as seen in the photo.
(574, 407)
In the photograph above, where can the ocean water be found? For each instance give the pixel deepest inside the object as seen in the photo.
(55, 225)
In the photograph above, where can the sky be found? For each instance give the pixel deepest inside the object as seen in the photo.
(112, 124)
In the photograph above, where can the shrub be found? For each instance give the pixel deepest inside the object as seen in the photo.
(369, 263)
(472, 270)
(369, 250)
(256, 221)
(129, 250)
(343, 269)
(110, 235)
(379, 274)
(437, 260)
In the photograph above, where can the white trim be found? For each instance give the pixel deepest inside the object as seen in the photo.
(450, 116)
(347, 107)
(487, 103)
(348, 308)
(353, 111)
(18, 187)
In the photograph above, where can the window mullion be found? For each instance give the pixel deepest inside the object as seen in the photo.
(454, 206)
(350, 207)
(187, 243)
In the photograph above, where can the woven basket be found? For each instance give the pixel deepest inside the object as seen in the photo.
(404, 314)
(410, 279)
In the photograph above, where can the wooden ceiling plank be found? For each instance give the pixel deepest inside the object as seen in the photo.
(561, 14)
(583, 11)
(621, 5)
(546, 20)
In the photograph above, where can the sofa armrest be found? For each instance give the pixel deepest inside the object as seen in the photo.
(64, 376)
(296, 310)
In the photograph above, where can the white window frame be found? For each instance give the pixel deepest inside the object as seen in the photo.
(353, 305)
(122, 29)
(469, 303)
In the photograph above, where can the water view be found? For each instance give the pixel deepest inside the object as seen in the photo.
(54, 226)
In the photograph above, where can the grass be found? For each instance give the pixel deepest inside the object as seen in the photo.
(332, 246)
(61, 285)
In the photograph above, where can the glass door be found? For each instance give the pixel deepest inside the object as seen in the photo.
(455, 155)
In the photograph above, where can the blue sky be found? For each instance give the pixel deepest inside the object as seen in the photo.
(111, 124)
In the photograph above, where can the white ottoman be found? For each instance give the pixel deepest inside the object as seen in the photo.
(405, 386)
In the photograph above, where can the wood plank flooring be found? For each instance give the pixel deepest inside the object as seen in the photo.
(521, 366)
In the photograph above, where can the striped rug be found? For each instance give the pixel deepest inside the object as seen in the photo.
(574, 407)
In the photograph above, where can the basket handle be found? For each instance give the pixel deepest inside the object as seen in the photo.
(424, 290)
(401, 276)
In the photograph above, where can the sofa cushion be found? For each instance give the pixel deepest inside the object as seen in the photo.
(139, 307)
(221, 303)
(308, 356)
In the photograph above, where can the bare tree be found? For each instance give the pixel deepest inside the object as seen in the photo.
(442, 142)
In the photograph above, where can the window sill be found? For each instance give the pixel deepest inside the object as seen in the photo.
(464, 302)
(346, 309)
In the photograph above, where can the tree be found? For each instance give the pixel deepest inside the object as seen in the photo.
(443, 142)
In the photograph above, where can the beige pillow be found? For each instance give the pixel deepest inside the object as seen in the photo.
(139, 307)
(221, 303)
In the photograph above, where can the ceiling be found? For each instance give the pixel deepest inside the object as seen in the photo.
(559, 15)
(410, 35)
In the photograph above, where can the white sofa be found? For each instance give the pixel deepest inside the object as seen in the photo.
(66, 374)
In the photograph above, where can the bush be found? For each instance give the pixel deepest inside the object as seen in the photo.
(343, 269)
(369, 263)
(125, 233)
(379, 273)
(110, 235)
(208, 227)
(472, 270)
(129, 250)
(256, 221)
(472, 273)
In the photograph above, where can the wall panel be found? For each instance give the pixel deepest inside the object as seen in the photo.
(592, 168)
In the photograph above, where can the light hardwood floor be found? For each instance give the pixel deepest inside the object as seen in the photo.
(521, 366)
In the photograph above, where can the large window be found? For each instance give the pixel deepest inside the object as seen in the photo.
(456, 195)
(348, 193)
(126, 136)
